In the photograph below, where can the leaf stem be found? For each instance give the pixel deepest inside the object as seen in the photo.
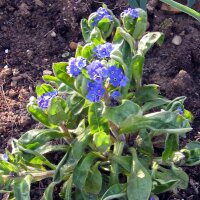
(68, 138)
(36, 176)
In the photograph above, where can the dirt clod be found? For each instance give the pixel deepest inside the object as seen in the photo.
(182, 81)
(24, 10)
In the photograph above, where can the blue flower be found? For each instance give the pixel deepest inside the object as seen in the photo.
(4, 157)
(81, 62)
(116, 77)
(180, 111)
(43, 101)
(103, 51)
(131, 12)
(124, 81)
(115, 95)
(102, 13)
(97, 71)
(75, 66)
(95, 92)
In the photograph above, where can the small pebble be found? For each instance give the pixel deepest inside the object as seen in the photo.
(29, 54)
(73, 45)
(66, 54)
(39, 3)
(47, 72)
(6, 51)
(177, 40)
(53, 34)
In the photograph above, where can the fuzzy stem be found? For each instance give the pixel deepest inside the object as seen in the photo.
(67, 136)
(36, 176)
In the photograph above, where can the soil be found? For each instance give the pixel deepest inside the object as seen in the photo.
(33, 34)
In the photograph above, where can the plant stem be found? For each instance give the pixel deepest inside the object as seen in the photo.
(36, 175)
(66, 133)
(183, 8)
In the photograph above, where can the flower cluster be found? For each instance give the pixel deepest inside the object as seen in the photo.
(116, 95)
(43, 101)
(97, 71)
(75, 66)
(103, 51)
(180, 110)
(131, 12)
(117, 77)
(4, 157)
(102, 13)
(95, 92)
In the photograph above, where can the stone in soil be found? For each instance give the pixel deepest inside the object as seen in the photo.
(177, 40)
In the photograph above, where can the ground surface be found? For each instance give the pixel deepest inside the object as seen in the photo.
(33, 34)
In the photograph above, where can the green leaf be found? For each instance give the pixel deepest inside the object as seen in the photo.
(128, 38)
(183, 8)
(48, 194)
(140, 183)
(193, 145)
(141, 24)
(167, 175)
(102, 141)
(56, 111)
(181, 176)
(22, 188)
(8, 167)
(96, 37)
(87, 51)
(160, 186)
(81, 84)
(106, 27)
(38, 137)
(192, 151)
(66, 192)
(144, 143)
(148, 40)
(85, 30)
(97, 122)
(146, 93)
(188, 115)
(160, 122)
(114, 172)
(33, 157)
(43, 89)
(58, 176)
(48, 148)
(93, 182)
(49, 78)
(120, 113)
(114, 190)
(122, 54)
(171, 146)
(60, 72)
(134, 3)
(39, 115)
(79, 50)
(137, 68)
(156, 103)
(123, 161)
(82, 170)
(72, 157)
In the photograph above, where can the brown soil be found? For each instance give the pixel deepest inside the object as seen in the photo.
(33, 34)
